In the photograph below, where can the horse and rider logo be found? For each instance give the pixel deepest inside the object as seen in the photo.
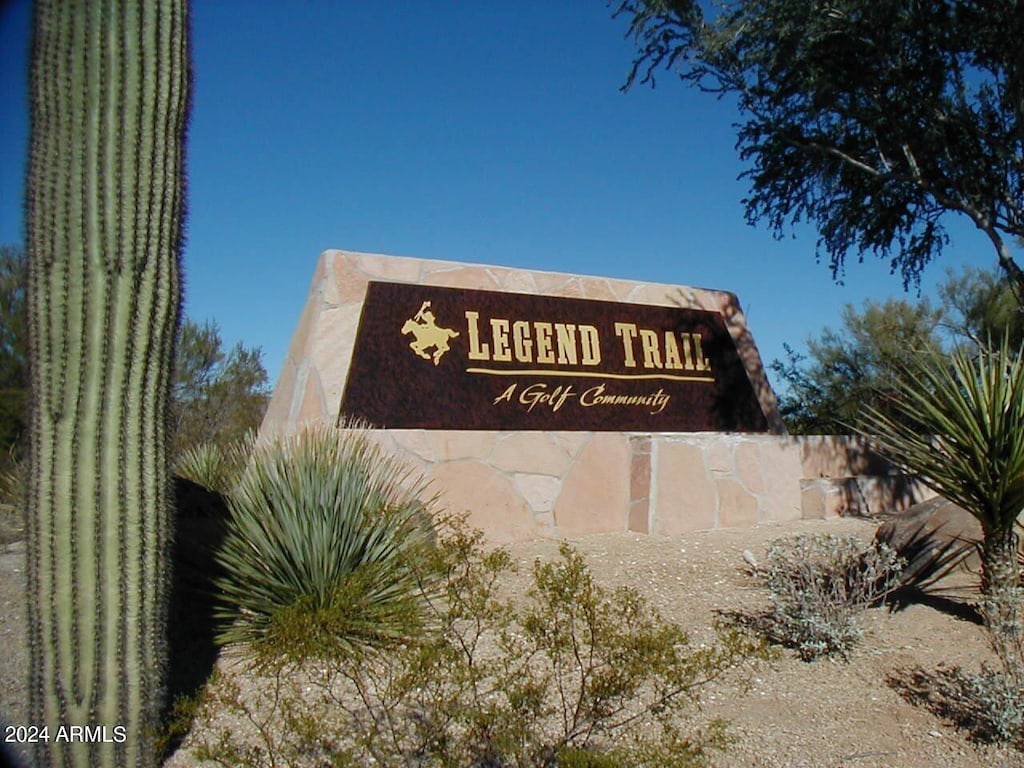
(426, 334)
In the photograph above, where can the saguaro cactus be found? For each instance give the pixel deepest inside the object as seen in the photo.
(109, 103)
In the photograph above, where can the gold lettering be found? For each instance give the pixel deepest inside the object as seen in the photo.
(538, 393)
(627, 332)
(536, 341)
(499, 336)
(703, 364)
(687, 351)
(532, 394)
(693, 352)
(566, 336)
(477, 350)
(655, 402)
(522, 342)
(672, 359)
(590, 344)
(506, 395)
(652, 355)
(545, 354)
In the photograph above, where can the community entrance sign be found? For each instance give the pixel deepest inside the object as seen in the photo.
(432, 357)
(546, 404)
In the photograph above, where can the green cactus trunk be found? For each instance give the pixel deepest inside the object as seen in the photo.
(109, 104)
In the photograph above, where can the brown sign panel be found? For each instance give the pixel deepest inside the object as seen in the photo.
(428, 357)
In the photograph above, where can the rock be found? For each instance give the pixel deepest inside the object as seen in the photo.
(923, 532)
(937, 516)
(749, 559)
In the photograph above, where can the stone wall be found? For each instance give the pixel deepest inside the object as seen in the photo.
(520, 485)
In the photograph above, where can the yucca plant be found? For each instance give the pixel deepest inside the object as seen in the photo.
(323, 540)
(962, 433)
(216, 466)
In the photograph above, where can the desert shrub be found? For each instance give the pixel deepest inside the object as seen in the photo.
(323, 533)
(988, 704)
(993, 705)
(569, 674)
(819, 585)
(993, 698)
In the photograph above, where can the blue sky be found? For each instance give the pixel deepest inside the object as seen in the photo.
(482, 132)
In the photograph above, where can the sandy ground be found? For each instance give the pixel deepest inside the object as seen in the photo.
(796, 714)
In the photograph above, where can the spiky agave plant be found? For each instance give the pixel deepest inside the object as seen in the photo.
(324, 537)
(104, 204)
(962, 433)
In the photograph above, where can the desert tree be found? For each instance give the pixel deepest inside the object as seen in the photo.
(845, 369)
(870, 119)
(980, 307)
(218, 395)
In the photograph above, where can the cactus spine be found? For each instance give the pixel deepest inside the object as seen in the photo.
(105, 199)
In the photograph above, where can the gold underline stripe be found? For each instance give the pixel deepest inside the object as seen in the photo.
(585, 375)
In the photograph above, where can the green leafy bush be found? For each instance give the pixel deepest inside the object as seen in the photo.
(819, 585)
(322, 537)
(569, 675)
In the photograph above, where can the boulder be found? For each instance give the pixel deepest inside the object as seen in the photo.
(932, 536)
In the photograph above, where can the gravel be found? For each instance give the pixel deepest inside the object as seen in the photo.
(795, 714)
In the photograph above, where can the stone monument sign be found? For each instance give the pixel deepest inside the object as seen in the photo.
(550, 404)
(430, 357)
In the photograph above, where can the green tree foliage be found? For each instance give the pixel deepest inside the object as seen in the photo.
(218, 395)
(109, 102)
(827, 388)
(13, 353)
(981, 307)
(847, 369)
(869, 118)
(13, 391)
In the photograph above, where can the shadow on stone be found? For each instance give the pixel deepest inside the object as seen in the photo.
(939, 542)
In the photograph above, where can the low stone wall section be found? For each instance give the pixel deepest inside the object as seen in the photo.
(523, 485)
